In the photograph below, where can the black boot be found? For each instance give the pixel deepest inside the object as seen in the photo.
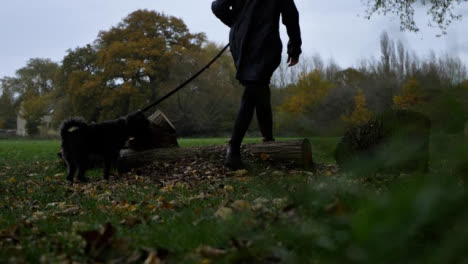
(272, 139)
(233, 158)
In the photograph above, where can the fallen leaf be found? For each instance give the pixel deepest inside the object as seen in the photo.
(167, 188)
(70, 211)
(280, 202)
(56, 204)
(244, 179)
(260, 200)
(264, 156)
(278, 174)
(239, 173)
(228, 188)
(259, 204)
(166, 205)
(336, 208)
(153, 258)
(241, 244)
(240, 205)
(102, 244)
(156, 218)
(211, 252)
(76, 226)
(36, 216)
(288, 213)
(223, 213)
(130, 221)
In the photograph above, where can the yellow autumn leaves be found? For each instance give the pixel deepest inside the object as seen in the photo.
(412, 95)
(360, 114)
(312, 89)
(309, 90)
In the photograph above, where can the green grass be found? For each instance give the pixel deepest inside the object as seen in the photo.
(289, 218)
(26, 151)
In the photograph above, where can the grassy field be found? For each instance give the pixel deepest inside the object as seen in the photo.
(262, 217)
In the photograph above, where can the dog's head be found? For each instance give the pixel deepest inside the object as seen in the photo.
(138, 126)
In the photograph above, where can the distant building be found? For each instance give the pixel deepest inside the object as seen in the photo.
(5, 133)
(45, 129)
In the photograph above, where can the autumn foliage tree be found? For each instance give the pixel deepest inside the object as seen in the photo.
(7, 106)
(464, 85)
(301, 99)
(135, 56)
(309, 90)
(360, 114)
(137, 62)
(208, 104)
(36, 84)
(412, 96)
(78, 73)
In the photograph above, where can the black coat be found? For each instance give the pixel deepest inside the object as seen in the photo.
(255, 39)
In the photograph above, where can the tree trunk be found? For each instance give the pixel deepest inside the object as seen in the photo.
(297, 153)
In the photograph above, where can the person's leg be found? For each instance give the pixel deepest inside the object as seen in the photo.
(243, 119)
(264, 112)
(244, 116)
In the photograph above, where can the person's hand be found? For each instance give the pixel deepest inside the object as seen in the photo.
(292, 61)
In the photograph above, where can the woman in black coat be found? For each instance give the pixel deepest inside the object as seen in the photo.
(256, 49)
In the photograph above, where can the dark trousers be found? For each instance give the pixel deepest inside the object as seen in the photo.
(256, 97)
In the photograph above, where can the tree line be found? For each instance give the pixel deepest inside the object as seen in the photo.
(320, 97)
(149, 53)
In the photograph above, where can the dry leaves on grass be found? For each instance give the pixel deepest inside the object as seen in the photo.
(210, 168)
(103, 246)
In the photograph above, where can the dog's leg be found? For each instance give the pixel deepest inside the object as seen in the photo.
(71, 170)
(107, 166)
(82, 165)
(81, 174)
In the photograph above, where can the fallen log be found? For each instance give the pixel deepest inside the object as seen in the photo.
(296, 153)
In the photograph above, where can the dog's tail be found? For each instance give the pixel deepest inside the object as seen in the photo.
(68, 124)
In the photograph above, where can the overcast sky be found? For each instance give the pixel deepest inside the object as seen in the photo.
(335, 28)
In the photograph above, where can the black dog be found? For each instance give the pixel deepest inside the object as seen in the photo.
(82, 141)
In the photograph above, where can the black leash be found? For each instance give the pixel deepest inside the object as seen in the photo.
(186, 82)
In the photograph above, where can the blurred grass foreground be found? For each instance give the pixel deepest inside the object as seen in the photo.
(262, 216)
